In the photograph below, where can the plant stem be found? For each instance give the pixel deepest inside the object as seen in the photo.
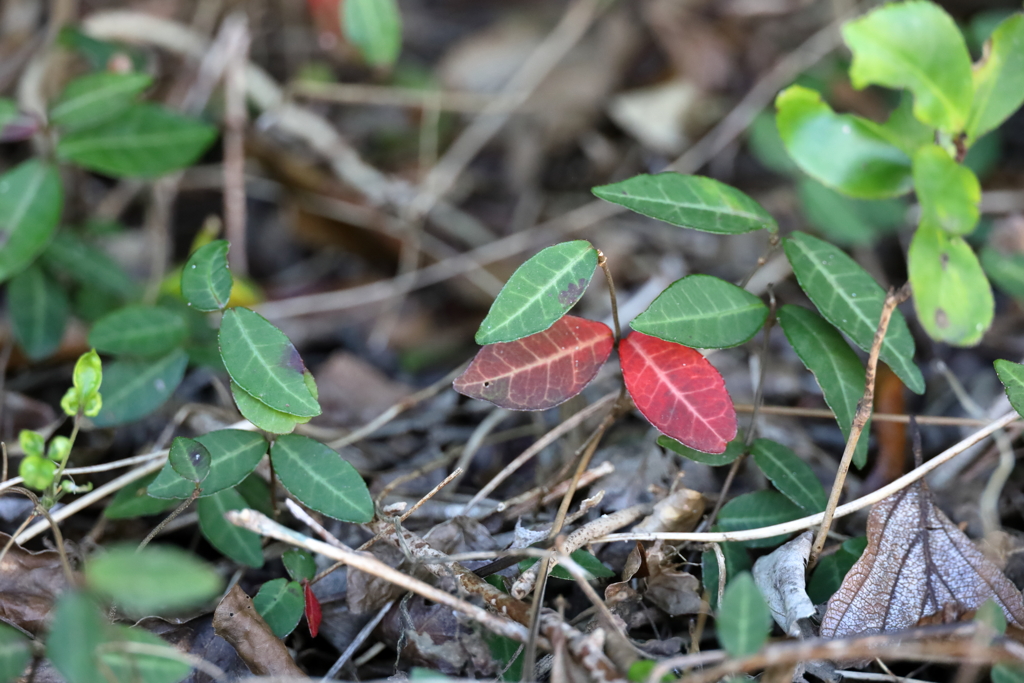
(602, 261)
(169, 518)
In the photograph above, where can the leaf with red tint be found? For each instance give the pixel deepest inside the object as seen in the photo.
(539, 371)
(678, 391)
(313, 613)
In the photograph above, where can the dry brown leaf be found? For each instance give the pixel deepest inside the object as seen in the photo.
(29, 583)
(237, 621)
(918, 566)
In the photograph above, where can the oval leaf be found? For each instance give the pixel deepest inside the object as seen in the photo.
(88, 266)
(1012, 377)
(138, 330)
(948, 192)
(540, 292)
(78, 630)
(704, 312)
(952, 296)
(540, 371)
(234, 454)
(678, 391)
(832, 569)
(914, 45)
(835, 366)
(756, 510)
(1005, 270)
(791, 476)
(860, 161)
(737, 560)
(299, 564)
(846, 221)
(744, 620)
(312, 609)
(39, 312)
(134, 389)
(96, 98)
(127, 665)
(15, 651)
(205, 280)
(31, 201)
(320, 479)
(189, 459)
(241, 545)
(134, 501)
(690, 201)
(280, 602)
(998, 79)
(146, 141)
(262, 361)
(262, 415)
(732, 451)
(851, 300)
(375, 28)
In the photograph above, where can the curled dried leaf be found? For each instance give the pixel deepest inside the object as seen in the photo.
(237, 621)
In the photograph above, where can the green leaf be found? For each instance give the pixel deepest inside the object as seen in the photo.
(234, 455)
(31, 201)
(133, 501)
(733, 450)
(948, 192)
(189, 459)
(835, 366)
(904, 130)
(593, 566)
(790, 475)
(145, 141)
(852, 301)
(262, 415)
(38, 309)
(998, 79)
(262, 361)
(375, 28)
(689, 201)
(205, 280)
(133, 388)
(87, 265)
(744, 619)
(97, 98)
(846, 152)
(832, 569)
(766, 145)
(952, 296)
(991, 615)
(320, 479)
(138, 330)
(299, 564)
(756, 510)
(257, 494)
(132, 667)
(847, 221)
(705, 312)
(156, 579)
(540, 292)
(1007, 673)
(15, 651)
(1005, 270)
(1012, 377)
(280, 602)
(736, 560)
(914, 45)
(78, 630)
(503, 649)
(241, 545)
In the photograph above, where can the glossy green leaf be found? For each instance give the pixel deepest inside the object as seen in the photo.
(689, 201)
(130, 666)
(145, 141)
(241, 545)
(832, 569)
(737, 560)
(38, 309)
(998, 79)
(1012, 377)
(540, 292)
(256, 492)
(904, 130)
(948, 192)
(205, 279)
(914, 45)
(835, 366)
(134, 501)
(852, 301)
(1006, 271)
(755, 510)
(262, 361)
(590, 564)
(15, 651)
(952, 296)
(155, 580)
(280, 602)
(846, 221)
(87, 265)
(791, 476)
(189, 459)
(320, 479)
(375, 28)
(705, 312)
(299, 564)
(138, 330)
(234, 455)
(732, 451)
(133, 389)
(845, 152)
(96, 98)
(31, 201)
(262, 415)
(77, 630)
(744, 620)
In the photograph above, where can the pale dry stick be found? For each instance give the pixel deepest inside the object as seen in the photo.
(825, 413)
(720, 558)
(391, 96)
(260, 524)
(547, 494)
(860, 419)
(117, 464)
(564, 559)
(360, 638)
(540, 445)
(868, 676)
(235, 33)
(476, 439)
(842, 511)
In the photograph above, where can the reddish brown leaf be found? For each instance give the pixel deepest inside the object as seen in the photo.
(679, 391)
(918, 566)
(540, 371)
(313, 614)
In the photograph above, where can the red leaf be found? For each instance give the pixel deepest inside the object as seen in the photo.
(313, 613)
(679, 391)
(539, 371)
